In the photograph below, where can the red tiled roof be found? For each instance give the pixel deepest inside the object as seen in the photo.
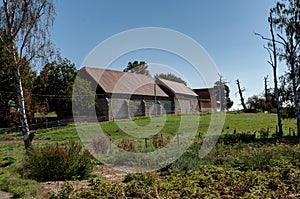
(176, 87)
(112, 81)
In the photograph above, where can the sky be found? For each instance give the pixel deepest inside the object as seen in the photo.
(224, 29)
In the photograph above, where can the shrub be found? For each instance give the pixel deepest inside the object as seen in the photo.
(159, 142)
(101, 144)
(257, 161)
(55, 162)
(239, 137)
(127, 145)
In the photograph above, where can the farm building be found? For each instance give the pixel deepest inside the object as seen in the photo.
(207, 100)
(123, 95)
(184, 99)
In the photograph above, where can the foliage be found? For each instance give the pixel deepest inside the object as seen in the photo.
(55, 162)
(26, 27)
(206, 182)
(228, 171)
(127, 145)
(8, 98)
(55, 84)
(170, 77)
(287, 22)
(222, 93)
(137, 67)
(82, 92)
(101, 144)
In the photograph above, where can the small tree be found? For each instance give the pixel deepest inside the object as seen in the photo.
(26, 24)
(222, 94)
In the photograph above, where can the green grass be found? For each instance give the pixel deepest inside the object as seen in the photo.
(11, 155)
(244, 122)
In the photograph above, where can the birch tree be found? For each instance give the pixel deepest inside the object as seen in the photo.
(26, 24)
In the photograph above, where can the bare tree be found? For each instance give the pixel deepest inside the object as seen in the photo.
(287, 20)
(26, 25)
(272, 50)
(241, 90)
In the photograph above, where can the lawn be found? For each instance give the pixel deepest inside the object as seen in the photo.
(268, 157)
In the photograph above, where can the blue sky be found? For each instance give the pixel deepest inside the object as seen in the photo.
(225, 29)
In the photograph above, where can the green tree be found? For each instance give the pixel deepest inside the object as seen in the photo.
(54, 85)
(258, 103)
(26, 25)
(222, 92)
(8, 98)
(171, 77)
(83, 99)
(137, 67)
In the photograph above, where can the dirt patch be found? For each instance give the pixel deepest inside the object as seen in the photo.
(102, 170)
(5, 195)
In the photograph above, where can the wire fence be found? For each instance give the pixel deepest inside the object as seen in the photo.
(37, 126)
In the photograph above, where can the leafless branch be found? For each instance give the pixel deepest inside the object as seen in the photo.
(270, 54)
(267, 39)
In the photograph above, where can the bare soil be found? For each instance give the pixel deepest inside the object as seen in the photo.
(102, 170)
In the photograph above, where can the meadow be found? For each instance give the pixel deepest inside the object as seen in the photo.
(247, 162)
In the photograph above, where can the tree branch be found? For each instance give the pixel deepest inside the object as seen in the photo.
(270, 54)
(268, 39)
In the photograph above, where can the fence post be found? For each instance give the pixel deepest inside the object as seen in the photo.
(146, 143)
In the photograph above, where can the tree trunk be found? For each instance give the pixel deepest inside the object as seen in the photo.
(280, 132)
(28, 137)
(274, 66)
(296, 100)
(241, 95)
(266, 92)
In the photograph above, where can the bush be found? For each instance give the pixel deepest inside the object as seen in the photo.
(55, 162)
(159, 142)
(101, 144)
(127, 145)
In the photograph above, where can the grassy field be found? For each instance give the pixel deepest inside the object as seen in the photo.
(242, 158)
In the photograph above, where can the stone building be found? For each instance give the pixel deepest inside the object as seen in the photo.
(184, 99)
(124, 95)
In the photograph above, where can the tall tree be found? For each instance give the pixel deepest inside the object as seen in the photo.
(26, 24)
(171, 77)
(8, 114)
(137, 67)
(54, 85)
(286, 19)
(272, 50)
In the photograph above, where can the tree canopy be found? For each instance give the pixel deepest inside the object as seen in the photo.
(25, 25)
(137, 67)
(54, 85)
(171, 77)
(222, 94)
